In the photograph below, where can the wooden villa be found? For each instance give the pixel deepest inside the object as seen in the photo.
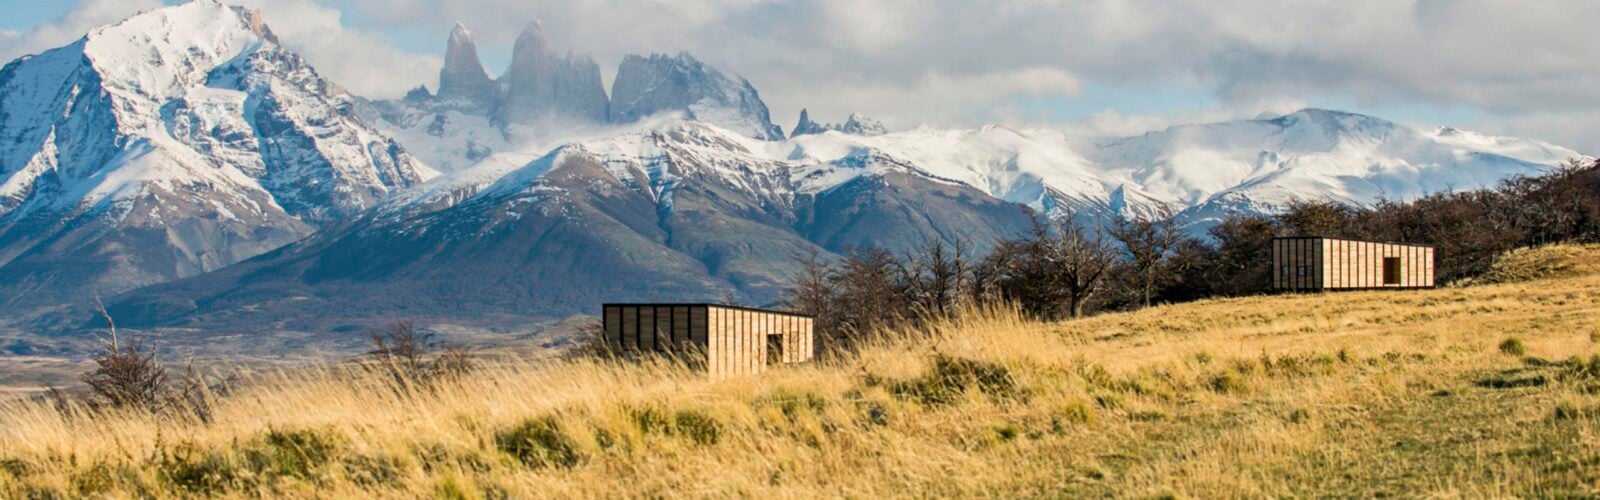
(723, 340)
(1310, 263)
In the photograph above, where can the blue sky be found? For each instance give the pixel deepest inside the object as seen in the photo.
(1112, 66)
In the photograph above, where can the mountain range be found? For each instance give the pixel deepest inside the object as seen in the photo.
(186, 163)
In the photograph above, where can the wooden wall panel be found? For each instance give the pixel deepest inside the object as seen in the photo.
(613, 324)
(810, 350)
(1428, 272)
(630, 328)
(752, 342)
(1277, 264)
(717, 334)
(647, 328)
(663, 329)
(1339, 263)
(791, 337)
(1324, 280)
(680, 328)
(698, 334)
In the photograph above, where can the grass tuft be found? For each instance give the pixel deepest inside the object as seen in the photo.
(1513, 346)
(540, 442)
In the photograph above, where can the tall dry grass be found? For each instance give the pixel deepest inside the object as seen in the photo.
(1360, 394)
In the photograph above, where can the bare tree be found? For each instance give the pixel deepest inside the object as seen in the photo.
(1082, 256)
(126, 374)
(1148, 240)
(809, 289)
(1051, 272)
(404, 353)
(935, 276)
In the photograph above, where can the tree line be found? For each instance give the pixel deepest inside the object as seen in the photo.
(1063, 269)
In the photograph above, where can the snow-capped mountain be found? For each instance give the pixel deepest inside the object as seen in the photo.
(693, 210)
(1205, 171)
(855, 124)
(181, 141)
(174, 142)
(699, 211)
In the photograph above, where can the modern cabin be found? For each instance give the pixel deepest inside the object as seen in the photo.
(1314, 264)
(723, 340)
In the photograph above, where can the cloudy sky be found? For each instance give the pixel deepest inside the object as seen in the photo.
(1514, 67)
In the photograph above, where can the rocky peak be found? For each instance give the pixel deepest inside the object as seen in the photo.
(856, 124)
(463, 76)
(806, 126)
(540, 86)
(861, 125)
(659, 83)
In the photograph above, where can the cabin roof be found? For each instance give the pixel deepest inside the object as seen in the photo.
(704, 304)
(1402, 243)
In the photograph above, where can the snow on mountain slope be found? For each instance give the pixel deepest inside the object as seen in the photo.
(1203, 172)
(175, 142)
(1228, 167)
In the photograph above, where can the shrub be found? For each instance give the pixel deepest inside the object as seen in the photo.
(1567, 410)
(950, 377)
(195, 470)
(1227, 382)
(540, 442)
(1077, 412)
(1513, 346)
(297, 453)
(698, 426)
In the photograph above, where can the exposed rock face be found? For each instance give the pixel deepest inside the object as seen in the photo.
(805, 126)
(861, 125)
(649, 85)
(542, 87)
(856, 125)
(463, 77)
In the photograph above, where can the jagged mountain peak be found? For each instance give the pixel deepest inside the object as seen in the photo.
(647, 85)
(463, 76)
(530, 40)
(856, 124)
(542, 89)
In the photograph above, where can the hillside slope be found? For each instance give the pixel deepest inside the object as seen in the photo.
(1350, 394)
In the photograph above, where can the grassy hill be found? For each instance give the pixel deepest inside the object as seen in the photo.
(1487, 390)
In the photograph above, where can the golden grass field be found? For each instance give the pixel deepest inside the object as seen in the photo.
(1346, 394)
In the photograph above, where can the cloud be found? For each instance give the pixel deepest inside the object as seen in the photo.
(1511, 59)
(86, 15)
(1526, 65)
(367, 63)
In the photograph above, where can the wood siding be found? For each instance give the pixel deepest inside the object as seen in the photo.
(1339, 264)
(724, 341)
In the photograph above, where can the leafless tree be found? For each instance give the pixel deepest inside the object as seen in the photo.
(1054, 271)
(1083, 256)
(1148, 240)
(126, 374)
(404, 353)
(935, 276)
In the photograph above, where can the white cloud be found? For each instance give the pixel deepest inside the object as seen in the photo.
(1526, 65)
(366, 63)
(86, 15)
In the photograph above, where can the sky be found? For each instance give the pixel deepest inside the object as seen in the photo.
(1119, 67)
